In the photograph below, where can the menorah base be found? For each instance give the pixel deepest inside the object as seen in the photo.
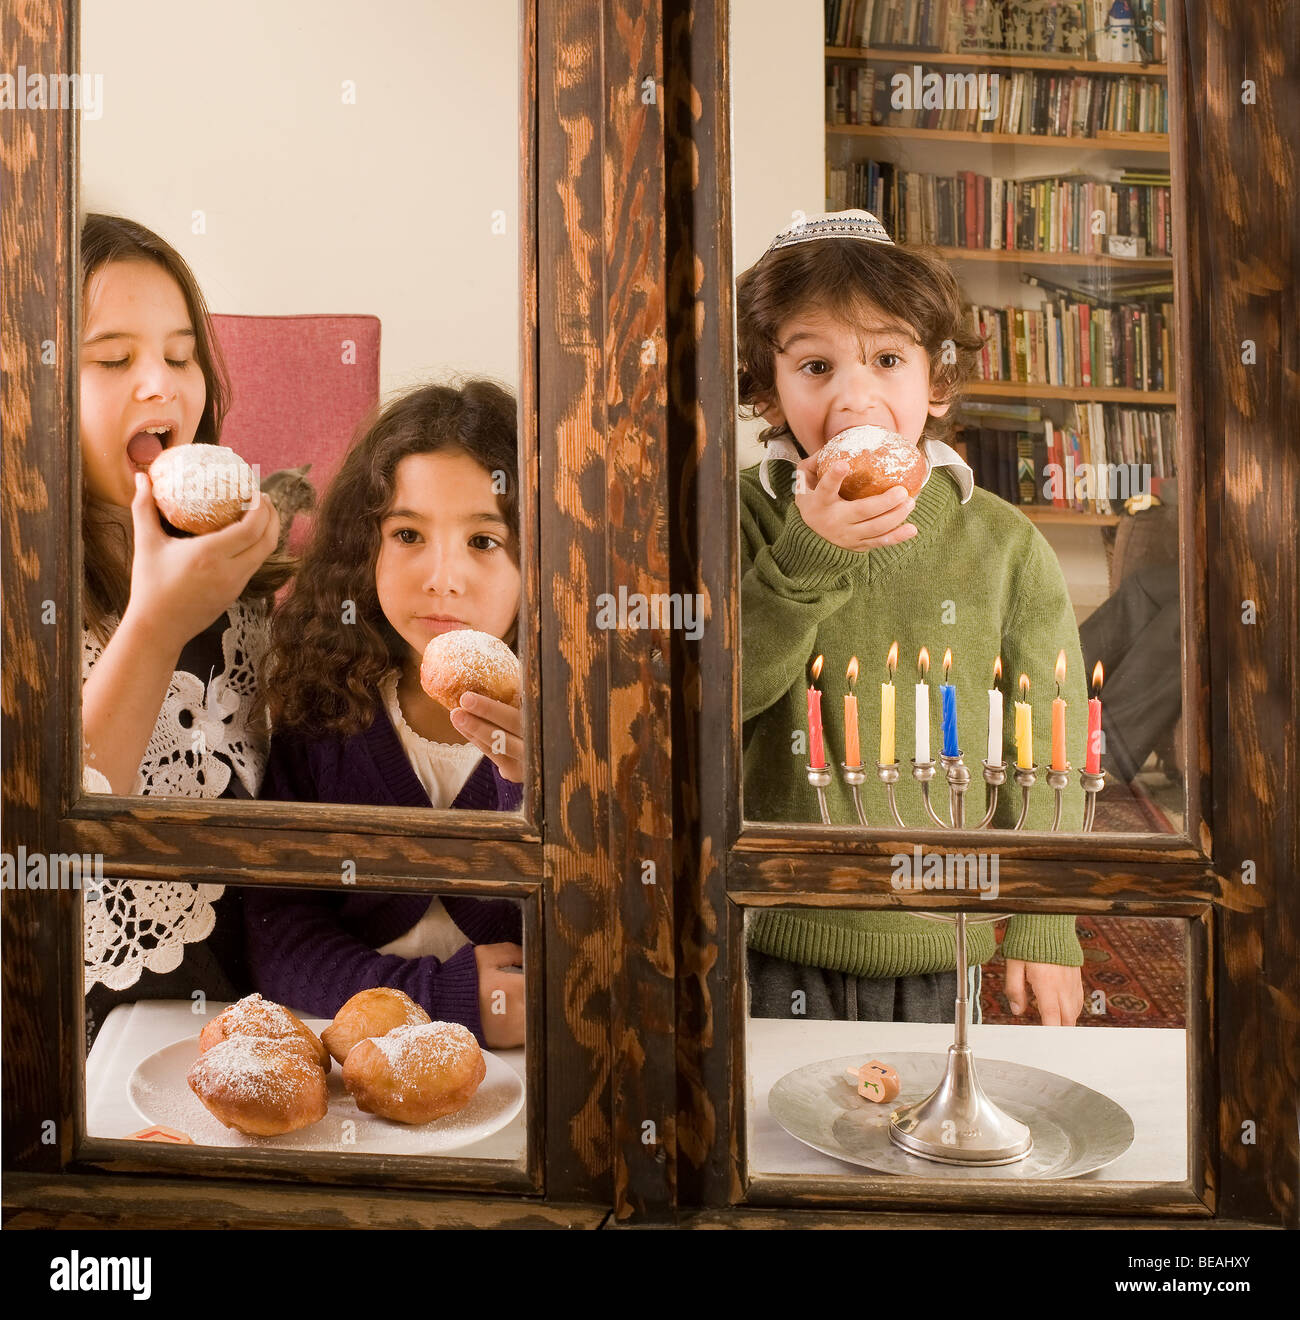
(957, 1123)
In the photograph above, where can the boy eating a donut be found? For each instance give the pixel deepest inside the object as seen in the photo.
(839, 328)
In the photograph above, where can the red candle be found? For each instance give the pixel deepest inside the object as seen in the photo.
(1093, 762)
(816, 754)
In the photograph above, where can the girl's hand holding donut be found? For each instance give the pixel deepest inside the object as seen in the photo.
(496, 728)
(181, 584)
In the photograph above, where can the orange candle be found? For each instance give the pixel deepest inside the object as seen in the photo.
(1059, 760)
(852, 751)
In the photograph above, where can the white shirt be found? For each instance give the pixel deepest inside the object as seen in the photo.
(441, 767)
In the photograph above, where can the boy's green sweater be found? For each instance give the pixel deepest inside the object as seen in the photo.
(979, 578)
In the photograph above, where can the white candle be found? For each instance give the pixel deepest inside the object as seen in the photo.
(995, 727)
(922, 722)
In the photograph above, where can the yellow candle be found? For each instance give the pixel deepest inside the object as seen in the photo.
(1024, 728)
(887, 708)
(886, 724)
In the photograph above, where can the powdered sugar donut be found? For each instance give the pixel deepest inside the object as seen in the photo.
(468, 661)
(370, 1013)
(417, 1073)
(260, 1086)
(255, 1016)
(878, 461)
(201, 488)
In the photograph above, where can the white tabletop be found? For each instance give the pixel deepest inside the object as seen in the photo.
(132, 1032)
(1144, 1069)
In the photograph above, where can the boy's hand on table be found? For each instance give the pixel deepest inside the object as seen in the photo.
(500, 994)
(495, 728)
(875, 520)
(1058, 991)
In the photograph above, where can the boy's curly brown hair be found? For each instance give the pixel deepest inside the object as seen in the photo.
(323, 674)
(852, 280)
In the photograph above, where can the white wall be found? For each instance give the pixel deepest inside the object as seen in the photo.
(778, 132)
(384, 206)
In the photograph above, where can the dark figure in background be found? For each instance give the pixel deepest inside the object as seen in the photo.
(1135, 635)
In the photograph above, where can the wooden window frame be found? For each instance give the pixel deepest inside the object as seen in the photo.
(1242, 940)
(638, 1108)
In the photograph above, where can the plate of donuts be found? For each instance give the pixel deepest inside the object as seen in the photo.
(257, 1075)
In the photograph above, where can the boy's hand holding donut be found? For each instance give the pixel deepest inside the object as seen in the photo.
(875, 520)
(181, 584)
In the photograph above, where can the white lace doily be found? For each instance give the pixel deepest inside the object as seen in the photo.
(134, 925)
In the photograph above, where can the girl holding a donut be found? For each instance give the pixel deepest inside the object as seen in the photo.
(409, 586)
(851, 345)
(174, 627)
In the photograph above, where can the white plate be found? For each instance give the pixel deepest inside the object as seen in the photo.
(160, 1094)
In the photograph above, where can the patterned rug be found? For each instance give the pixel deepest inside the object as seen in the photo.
(1127, 808)
(1134, 974)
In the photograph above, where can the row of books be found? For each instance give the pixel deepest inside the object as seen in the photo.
(1132, 30)
(1055, 214)
(1038, 103)
(1076, 344)
(1101, 455)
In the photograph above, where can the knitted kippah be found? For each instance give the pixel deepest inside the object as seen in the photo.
(832, 224)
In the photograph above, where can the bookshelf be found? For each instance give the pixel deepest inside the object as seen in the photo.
(982, 59)
(914, 135)
(1157, 143)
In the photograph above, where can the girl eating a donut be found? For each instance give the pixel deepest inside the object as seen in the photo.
(853, 345)
(409, 586)
(174, 626)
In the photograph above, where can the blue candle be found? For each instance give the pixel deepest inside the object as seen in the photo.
(949, 695)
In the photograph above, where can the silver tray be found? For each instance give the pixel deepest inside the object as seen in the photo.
(1076, 1129)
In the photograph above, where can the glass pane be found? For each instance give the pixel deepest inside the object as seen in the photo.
(412, 1005)
(992, 363)
(1106, 1105)
(297, 262)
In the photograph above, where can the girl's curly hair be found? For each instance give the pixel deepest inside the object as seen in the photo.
(331, 646)
(853, 281)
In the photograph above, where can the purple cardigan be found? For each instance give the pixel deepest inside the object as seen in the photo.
(313, 950)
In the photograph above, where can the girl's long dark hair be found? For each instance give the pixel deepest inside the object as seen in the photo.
(331, 645)
(106, 543)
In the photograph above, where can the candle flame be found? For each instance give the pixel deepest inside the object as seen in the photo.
(891, 661)
(1098, 676)
(947, 663)
(852, 672)
(1060, 668)
(1024, 687)
(923, 663)
(817, 668)
(997, 671)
